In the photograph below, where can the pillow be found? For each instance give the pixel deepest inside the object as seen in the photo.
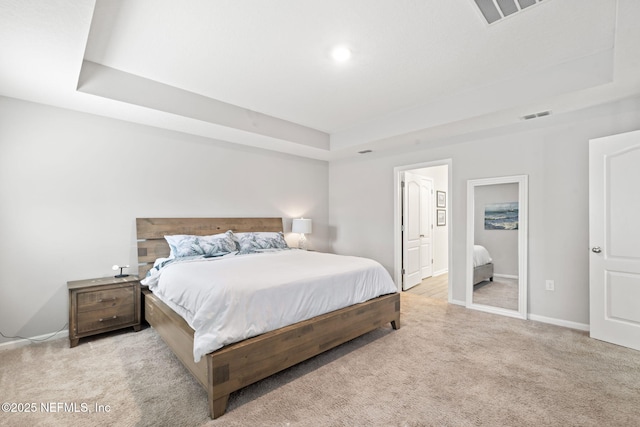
(182, 245)
(217, 244)
(260, 241)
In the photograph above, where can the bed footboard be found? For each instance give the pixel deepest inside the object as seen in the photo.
(238, 365)
(248, 361)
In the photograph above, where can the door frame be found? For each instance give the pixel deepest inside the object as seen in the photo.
(397, 218)
(431, 218)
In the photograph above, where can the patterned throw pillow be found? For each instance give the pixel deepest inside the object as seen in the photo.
(217, 244)
(182, 245)
(260, 241)
(186, 245)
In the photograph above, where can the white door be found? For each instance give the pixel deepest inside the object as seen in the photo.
(614, 237)
(411, 269)
(426, 227)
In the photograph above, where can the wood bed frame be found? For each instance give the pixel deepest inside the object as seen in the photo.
(238, 365)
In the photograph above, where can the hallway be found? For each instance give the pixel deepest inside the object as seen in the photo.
(433, 287)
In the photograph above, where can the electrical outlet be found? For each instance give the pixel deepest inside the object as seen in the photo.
(550, 285)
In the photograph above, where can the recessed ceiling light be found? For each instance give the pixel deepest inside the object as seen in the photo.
(341, 53)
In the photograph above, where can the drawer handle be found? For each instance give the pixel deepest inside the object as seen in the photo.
(108, 318)
(107, 299)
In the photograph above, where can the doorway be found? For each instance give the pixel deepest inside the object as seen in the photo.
(422, 228)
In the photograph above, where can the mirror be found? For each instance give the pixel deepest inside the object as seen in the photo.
(497, 245)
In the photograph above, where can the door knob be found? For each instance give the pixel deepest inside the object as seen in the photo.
(596, 250)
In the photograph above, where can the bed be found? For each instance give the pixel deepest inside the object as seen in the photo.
(482, 265)
(238, 364)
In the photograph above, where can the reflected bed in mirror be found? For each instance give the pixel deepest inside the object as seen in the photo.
(497, 245)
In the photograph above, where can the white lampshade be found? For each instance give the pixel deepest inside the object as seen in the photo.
(301, 225)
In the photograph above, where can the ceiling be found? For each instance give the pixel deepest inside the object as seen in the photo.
(260, 73)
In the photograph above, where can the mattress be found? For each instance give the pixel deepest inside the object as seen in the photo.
(235, 297)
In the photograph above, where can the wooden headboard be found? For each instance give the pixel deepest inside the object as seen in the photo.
(150, 233)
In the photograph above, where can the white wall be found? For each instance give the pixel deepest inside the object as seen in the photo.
(553, 151)
(72, 184)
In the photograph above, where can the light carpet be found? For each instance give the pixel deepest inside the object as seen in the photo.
(446, 366)
(498, 293)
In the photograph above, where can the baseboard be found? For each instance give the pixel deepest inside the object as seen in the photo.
(440, 272)
(40, 338)
(560, 322)
(505, 276)
(458, 302)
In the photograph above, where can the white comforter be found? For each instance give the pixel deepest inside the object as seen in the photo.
(235, 297)
(480, 256)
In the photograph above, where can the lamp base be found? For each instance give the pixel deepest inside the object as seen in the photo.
(302, 243)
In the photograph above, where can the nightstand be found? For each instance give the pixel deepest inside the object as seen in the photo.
(102, 305)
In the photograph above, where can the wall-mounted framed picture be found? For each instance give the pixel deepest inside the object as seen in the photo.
(441, 199)
(441, 217)
(501, 216)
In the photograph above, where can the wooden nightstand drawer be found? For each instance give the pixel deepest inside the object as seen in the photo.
(89, 301)
(102, 305)
(106, 318)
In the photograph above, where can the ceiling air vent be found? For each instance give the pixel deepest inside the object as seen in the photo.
(495, 10)
(536, 115)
